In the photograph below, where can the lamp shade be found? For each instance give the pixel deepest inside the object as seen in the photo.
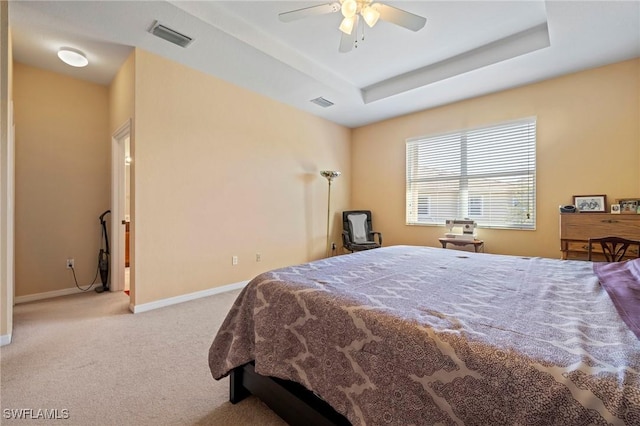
(330, 174)
(346, 26)
(349, 8)
(370, 15)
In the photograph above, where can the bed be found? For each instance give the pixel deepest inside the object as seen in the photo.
(417, 335)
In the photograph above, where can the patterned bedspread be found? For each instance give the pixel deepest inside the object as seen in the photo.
(417, 335)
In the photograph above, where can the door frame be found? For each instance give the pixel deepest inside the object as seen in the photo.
(7, 227)
(118, 194)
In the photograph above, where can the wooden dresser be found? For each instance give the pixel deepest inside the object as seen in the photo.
(577, 228)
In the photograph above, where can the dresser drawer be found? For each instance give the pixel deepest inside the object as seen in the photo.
(583, 246)
(582, 226)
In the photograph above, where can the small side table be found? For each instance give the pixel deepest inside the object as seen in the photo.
(477, 244)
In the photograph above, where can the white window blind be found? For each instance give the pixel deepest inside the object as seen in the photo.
(486, 174)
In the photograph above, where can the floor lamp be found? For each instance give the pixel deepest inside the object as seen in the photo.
(330, 175)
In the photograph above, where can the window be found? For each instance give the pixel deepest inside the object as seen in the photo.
(486, 174)
(423, 207)
(475, 206)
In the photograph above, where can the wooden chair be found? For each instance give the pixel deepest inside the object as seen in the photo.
(614, 248)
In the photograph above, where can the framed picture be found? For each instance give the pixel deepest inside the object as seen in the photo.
(615, 208)
(590, 203)
(629, 205)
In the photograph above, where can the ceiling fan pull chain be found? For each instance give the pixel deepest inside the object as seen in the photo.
(355, 41)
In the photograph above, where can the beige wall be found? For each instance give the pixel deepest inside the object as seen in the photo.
(6, 200)
(588, 140)
(224, 172)
(62, 177)
(121, 95)
(221, 171)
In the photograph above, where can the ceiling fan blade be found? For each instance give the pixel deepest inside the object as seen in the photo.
(309, 11)
(347, 41)
(400, 17)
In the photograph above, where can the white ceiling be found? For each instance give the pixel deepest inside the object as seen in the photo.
(466, 49)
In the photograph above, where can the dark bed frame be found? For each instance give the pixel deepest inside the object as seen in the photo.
(291, 401)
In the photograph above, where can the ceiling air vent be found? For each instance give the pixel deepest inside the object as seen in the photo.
(322, 102)
(170, 35)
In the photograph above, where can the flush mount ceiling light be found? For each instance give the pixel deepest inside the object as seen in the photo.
(352, 11)
(73, 57)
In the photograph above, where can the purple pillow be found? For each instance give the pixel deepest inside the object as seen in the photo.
(622, 281)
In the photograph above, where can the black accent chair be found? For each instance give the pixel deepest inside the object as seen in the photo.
(614, 248)
(357, 234)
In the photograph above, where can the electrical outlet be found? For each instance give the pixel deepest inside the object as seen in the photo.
(258, 257)
(234, 260)
(70, 263)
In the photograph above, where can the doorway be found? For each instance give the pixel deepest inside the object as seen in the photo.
(121, 209)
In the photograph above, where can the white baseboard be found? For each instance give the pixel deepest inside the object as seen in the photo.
(185, 297)
(5, 339)
(48, 295)
(137, 308)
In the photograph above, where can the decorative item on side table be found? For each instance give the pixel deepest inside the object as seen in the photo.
(590, 203)
(628, 205)
(461, 232)
(464, 229)
(330, 175)
(615, 208)
(568, 208)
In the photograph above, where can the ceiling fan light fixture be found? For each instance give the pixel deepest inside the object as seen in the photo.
(349, 8)
(352, 10)
(346, 26)
(73, 57)
(370, 15)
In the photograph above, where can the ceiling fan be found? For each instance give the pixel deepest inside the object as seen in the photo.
(352, 11)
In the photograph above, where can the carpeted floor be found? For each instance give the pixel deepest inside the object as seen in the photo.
(88, 355)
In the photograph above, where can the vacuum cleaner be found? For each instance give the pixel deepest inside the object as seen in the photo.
(103, 256)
